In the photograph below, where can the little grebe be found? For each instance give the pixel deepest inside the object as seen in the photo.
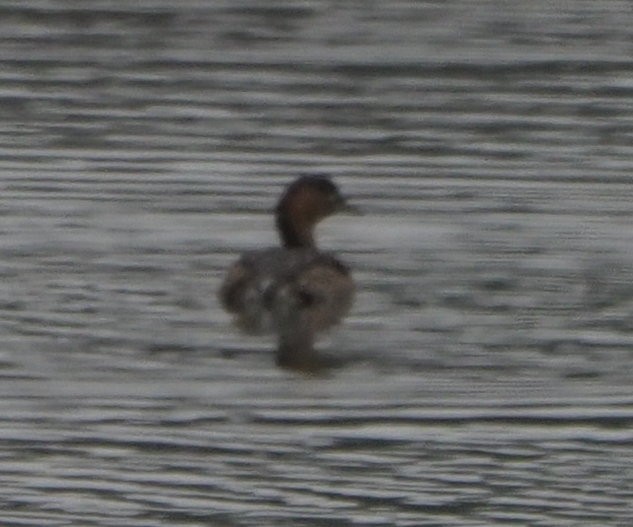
(293, 291)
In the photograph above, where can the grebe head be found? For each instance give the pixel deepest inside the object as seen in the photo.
(305, 203)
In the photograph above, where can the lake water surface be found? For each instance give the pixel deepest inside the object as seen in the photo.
(488, 380)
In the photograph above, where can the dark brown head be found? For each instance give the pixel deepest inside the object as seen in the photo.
(306, 202)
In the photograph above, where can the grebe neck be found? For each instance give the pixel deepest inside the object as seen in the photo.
(294, 235)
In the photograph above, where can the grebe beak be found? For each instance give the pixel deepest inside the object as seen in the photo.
(347, 208)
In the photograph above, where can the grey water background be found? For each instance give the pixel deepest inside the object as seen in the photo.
(490, 145)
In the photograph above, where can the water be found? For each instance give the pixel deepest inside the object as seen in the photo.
(489, 379)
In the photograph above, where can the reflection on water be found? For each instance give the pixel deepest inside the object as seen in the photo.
(144, 145)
